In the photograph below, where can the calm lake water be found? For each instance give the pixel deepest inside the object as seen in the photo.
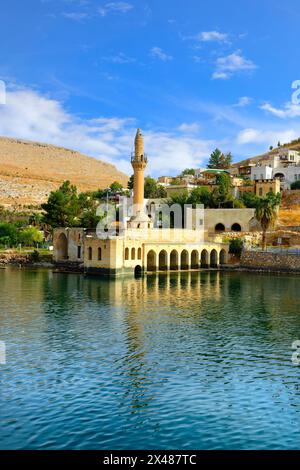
(187, 361)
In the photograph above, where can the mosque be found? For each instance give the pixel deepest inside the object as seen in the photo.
(140, 247)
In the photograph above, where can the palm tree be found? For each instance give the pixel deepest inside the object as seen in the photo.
(267, 213)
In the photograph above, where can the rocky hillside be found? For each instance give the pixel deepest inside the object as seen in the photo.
(294, 145)
(30, 170)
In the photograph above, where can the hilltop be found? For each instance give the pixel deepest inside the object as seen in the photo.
(294, 145)
(30, 170)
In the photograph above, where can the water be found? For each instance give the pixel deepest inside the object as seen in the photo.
(190, 361)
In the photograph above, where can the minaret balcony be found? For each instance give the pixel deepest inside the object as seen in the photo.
(139, 158)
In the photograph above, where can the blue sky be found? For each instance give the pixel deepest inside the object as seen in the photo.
(192, 74)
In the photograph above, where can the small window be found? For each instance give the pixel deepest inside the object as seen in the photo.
(90, 253)
(126, 254)
(99, 254)
(79, 252)
(133, 253)
(260, 191)
(140, 253)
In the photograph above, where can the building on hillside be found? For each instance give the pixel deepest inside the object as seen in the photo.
(265, 186)
(283, 165)
(137, 246)
(179, 188)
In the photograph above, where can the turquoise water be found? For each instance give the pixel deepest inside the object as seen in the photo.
(188, 361)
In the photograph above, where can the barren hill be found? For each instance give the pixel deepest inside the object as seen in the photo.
(30, 170)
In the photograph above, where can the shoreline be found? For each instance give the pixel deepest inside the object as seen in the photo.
(228, 268)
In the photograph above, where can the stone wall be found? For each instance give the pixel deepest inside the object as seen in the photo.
(265, 261)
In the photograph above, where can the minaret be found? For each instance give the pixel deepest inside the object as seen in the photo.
(139, 163)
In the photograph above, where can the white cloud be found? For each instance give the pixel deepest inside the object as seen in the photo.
(231, 64)
(30, 115)
(243, 101)
(210, 36)
(264, 136)
(119, 58)
(289, 110)
(158, 53)
(189, 128)
(115, 7)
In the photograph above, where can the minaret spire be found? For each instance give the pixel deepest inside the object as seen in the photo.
(139, 163)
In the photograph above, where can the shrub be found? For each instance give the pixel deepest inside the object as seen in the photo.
(34, 256)
(295, 185)
(236, 246)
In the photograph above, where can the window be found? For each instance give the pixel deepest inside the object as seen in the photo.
(90, 253)
(140, 253)
(260, 191)
(99, 254)
(79, 252)
(133, 253)
(126, 254)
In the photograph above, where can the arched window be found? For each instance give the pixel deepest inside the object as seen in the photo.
(99, 253)
(90, 253)
(220, 227)
(126, 254)
(236, 228)
(132, 253)
(140, 253)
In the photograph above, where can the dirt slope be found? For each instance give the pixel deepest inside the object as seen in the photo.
(30, 170)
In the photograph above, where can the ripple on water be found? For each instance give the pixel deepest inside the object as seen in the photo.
(199, 360)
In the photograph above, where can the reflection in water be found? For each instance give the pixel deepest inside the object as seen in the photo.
(177, 360)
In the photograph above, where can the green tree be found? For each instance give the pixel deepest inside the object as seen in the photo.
(130, 182)
(188, 171)
(219, 161)
(267, 213)
(116, 187)
(250, 200)
(222, 196)
(200, 195)
(236, 246)
(153, 190)
(62, 207)
(99, 194)
(8, 234)
(29, 236)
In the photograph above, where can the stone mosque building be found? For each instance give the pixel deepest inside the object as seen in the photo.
(140, 248)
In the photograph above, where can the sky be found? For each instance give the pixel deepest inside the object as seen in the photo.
(193, 75)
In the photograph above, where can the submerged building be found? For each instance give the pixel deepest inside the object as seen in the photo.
(139, 247)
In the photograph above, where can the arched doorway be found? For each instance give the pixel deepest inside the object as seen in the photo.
(213, 259)
(138, 271)
(184, 260)
(220, 228)
(222, 258)
(174, 260)
(195, 259)
(280, 176)
(236, 228)
(163, 261)
(151, 261)
(62, 247)
(204, 259)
